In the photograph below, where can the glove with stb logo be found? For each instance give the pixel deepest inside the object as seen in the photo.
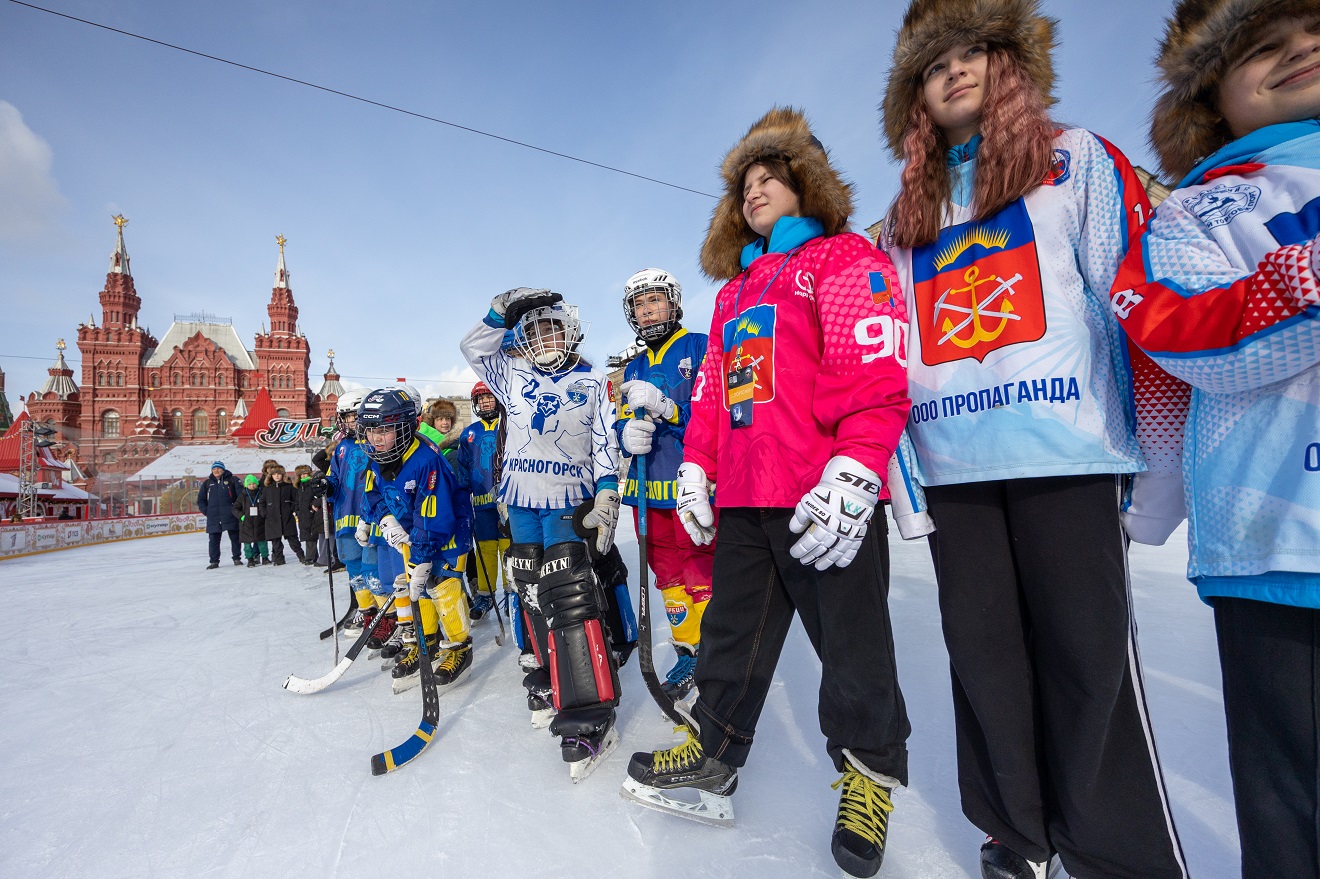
(832, 518)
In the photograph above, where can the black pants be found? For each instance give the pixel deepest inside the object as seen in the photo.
(309, 548)
(1270, 658)
(1055, 748)
(756, 588)
(277, 547)
(213, 537)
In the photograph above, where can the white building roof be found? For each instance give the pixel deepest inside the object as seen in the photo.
(223, 335)
(61, 385)
(182, 461)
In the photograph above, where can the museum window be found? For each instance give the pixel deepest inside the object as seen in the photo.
(176, 422)
(199, 423)
(221, 422)
(110, 423)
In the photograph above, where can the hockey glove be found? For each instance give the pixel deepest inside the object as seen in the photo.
(694, 511)
(418, 579)
(363, 533)
(513, 304)
(642, 395)
(832, 517)
(321, 486)
(604, 517)
(394, 533)
(637, 437)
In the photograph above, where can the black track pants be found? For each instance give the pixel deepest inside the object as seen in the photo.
(756, 588)
(1270, 658)
(1055, 748)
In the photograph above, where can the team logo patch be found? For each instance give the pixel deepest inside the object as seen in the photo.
(1218, 205)
(685, 367)
(1060, 169)
(577, 392)
(754, 332)
(880, 292)
(430, 483)
(677, 612)
(978, 288)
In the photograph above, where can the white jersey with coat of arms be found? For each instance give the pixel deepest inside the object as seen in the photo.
(1016, 366)
(560, 447)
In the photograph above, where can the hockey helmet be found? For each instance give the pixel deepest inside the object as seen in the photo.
(415, 396)
(647, 281)
(348, 404)
(549, 336)
(481, 389)
(387, 409)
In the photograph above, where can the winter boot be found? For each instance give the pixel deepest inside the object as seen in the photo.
(659, 779)
(265, 560)
(212, 566)
(382, 631)
(238, 563)
(406, 672)
(998, 861)
(481, 606)
(588, 737)
(453, 663)
(863, 822)
(252, 562)
(679, 682)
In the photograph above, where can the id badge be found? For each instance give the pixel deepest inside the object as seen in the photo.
(741, 383)
(252, 511)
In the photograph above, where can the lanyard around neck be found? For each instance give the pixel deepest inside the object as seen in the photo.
(739, 334)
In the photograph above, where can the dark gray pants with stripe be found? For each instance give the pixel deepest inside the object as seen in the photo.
(1055, 748)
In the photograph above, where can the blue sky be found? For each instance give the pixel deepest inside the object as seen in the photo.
(400, 230)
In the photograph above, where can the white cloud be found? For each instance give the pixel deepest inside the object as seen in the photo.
(30, 198)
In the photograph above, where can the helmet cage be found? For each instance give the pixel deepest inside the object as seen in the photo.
(652, 332)
(387, 409)
(481, 389)
(549, 336)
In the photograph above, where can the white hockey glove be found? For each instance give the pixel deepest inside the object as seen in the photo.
(639, 394)
(363, 533)
(638, 436)
(418, 579)
(693, 507)
(832, 517)
(394, 533)
(604, 517)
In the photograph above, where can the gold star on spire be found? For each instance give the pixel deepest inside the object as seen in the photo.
(60, 345)
(281, 241)
(331, 354)
(120, 220)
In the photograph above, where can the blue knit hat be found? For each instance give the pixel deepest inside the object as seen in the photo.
(220, 464)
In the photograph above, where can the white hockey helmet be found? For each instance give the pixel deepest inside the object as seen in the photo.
(550, 336)
(646, 281)
(348, 403)
(416, 397)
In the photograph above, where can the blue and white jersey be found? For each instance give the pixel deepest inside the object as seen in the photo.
(1222, 291)
(348, 464)
(474, 462)
(673, 369)
(560, 448)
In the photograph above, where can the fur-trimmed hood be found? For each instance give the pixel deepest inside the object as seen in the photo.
(782, 133)
(932, 27)
(1202, 39)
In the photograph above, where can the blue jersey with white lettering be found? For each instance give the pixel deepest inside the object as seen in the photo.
(348, 463)
(474, 461)
(422, 497)
(673, 369)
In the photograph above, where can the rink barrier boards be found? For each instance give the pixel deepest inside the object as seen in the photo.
(26, 539)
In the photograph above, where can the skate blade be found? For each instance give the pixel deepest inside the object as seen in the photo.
(542, 718)
(403, 685)
(580, 769)
(711, 809)
(1055, 869)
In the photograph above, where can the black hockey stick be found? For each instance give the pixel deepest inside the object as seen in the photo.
(645, 660)
(494, 604)
(304, 687)
(343, 621)
(330, 574)
(388, 761)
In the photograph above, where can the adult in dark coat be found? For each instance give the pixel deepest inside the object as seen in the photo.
(216, 499)
(278, 508)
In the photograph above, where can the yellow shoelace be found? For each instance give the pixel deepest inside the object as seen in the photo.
(864, 807)
(679, 757)
(452, 659)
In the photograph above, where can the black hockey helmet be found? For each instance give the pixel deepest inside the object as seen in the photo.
(387, 408)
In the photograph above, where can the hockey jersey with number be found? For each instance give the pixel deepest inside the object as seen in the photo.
(1015, 366)
(348, 464)
(421, 495)
(673, 368)
(820, 323)
(1222, 291)
(560, 448)
(474, 462)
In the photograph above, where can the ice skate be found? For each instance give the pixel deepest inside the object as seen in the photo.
(359, 620)
(381, 633)
(481, 606)
(862, 825)
(452, 664)
(998, 861)
(680, 680)
(527, 660)
(684, 782)
(391, 649)
(405, 672)
(588, 737)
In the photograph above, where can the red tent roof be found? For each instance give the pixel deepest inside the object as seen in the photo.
(17, 425)
(258, 418)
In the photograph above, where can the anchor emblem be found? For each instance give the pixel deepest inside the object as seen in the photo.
(980, 308)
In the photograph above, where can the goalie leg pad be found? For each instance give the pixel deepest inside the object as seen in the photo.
(524, 561)
(581, 663)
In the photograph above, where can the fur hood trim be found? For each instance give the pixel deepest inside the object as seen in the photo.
(932, 27)
(1202, 39)
(783, 133)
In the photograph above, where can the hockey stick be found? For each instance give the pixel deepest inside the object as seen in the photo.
(645, 661)
(330, 574)
(305, 687)
(388, 761)
(494, 605)
(343, 621)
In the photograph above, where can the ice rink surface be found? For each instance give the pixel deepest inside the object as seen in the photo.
(145, 733)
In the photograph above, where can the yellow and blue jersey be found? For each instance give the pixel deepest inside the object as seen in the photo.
(422, 495)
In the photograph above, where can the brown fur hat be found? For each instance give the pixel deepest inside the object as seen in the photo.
(1202, 40)
(932, 27)
(782, 134)
(437, 408)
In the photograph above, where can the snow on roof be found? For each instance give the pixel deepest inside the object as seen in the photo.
(223, 335)
(182, 461)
